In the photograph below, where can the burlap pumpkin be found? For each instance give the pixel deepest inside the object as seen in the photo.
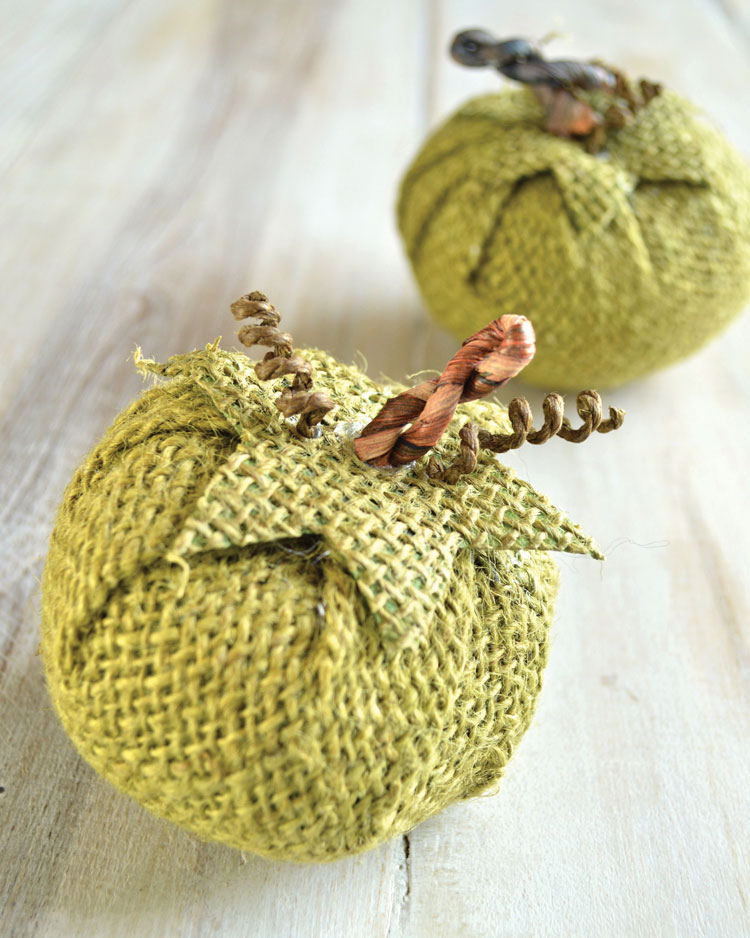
(628, 260)
(276, 646)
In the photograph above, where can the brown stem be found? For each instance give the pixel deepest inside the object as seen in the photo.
(487, 360)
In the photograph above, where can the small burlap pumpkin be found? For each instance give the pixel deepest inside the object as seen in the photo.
(630, 259)
(276, 646)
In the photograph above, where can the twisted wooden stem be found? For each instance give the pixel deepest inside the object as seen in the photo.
(299, 399)
(487, 360)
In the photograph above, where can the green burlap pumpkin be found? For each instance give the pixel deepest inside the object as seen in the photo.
(276, 646)
(627, 260)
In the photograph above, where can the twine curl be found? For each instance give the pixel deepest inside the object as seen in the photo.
(300, 399)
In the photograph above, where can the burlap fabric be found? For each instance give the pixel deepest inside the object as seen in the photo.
(626, 261)
(276, 646)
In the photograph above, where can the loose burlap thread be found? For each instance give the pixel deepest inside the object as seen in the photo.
(628, 260)
(276, 646)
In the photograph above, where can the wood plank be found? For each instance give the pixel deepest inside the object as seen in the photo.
(626, 811)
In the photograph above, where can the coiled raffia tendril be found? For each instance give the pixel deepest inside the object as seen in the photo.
(486, 361)
(300, 398)
(588, 405)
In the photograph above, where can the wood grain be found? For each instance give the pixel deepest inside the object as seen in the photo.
(159, 160)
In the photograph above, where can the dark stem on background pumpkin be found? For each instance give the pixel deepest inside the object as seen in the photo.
(300, 398)
(560, 86)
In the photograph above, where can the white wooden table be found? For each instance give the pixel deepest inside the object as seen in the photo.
(160, 158)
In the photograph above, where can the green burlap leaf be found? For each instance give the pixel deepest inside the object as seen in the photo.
(397, 534)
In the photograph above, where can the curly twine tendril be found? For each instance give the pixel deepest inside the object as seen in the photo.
(300, 398)
(486, 361)
(635, 99)
(588, 405)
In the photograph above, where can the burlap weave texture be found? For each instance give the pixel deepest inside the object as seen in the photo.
(266, 641)
(626, 261)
